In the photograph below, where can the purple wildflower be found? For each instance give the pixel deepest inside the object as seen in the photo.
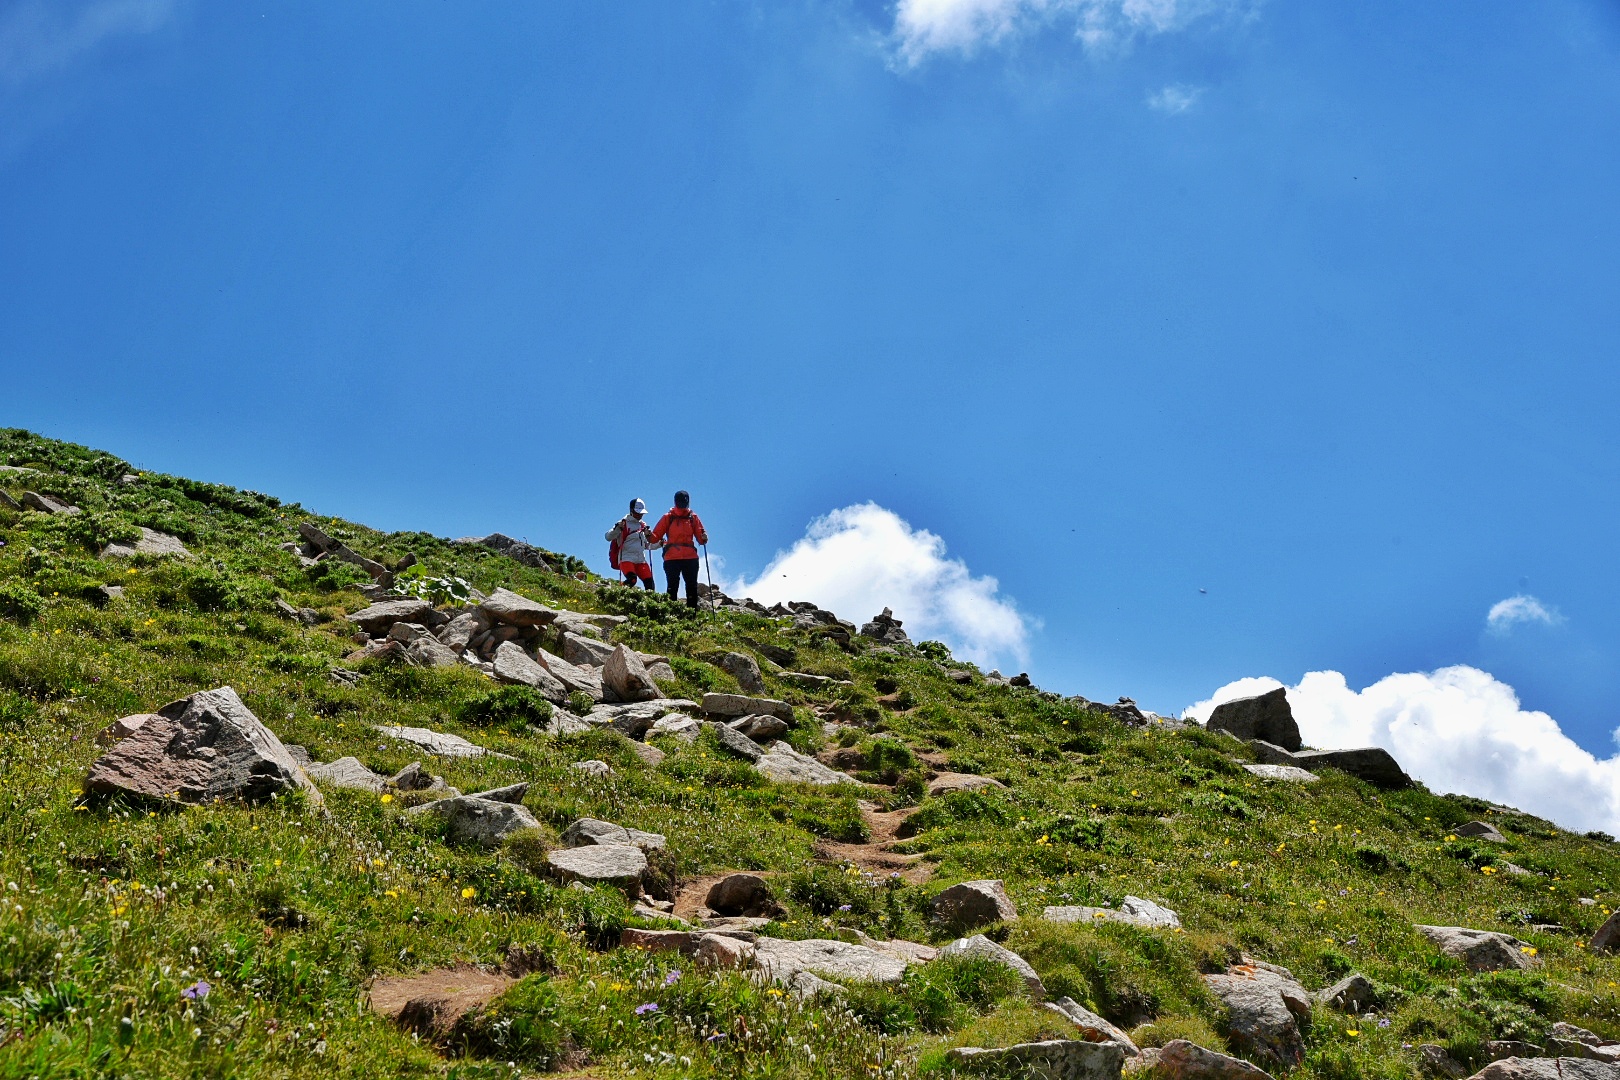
(1383, 1021)
(843, 907)
(649, 1007)
(196, 991)
(672, 977)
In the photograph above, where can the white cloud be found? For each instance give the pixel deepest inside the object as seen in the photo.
(1175, 99)
(1457, 729)
(37, 36)
(1505, 614)
(922, 27)
(861, 559)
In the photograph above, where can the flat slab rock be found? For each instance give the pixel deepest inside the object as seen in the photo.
(1481, 950)
(1054, 1059)
(593, 832)
(1091, 1027)
(946, 782)
(380, 618)
(513, 665)
(1133, 910)
(484, 818)
(733, 706)
(151, 542)
(781, 959)
(346, 772)
(1292, 774)
(786, 765)
(437, 742)
(607, 863)
(983, 948)
(1562, 1068)
(506, 606)
(204, 747)
(1183, 1060)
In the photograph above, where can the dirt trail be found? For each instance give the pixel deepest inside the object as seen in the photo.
(876, 855)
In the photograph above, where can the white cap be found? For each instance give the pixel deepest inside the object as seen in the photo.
(637, 506)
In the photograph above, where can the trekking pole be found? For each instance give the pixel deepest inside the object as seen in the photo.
(714, 605)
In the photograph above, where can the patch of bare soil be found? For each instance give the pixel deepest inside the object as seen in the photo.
(691, 896)
(432, 1003)
(875, 856)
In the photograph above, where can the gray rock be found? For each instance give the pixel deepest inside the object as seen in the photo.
(33, 500)
(477, 819)
(1271, 753)
(346, 772)
(593, 832)
(425, 650)
(204, 747)
(379, 618)
(812, 682)
(1435, 1062)
(735, 741)
(723, 952)
(109, 593)
(946, 782)
(506, 606)
(1480, 830)
(748, 895)
(1262, 1005)
(511, 793)
(150, 543)
(513, 665)
(563, 722)
(1563, 1068)
(650, 756)
(1352, 994)
(1481, 950)
(626, 676)
(8, 503)
(593, 767)
(1055, 1059)
(334, 549)
(125, 726)
(781, 960)
(1179, 1059)
(805, 986)
(587, 681)
(515, 550)
(435, 742)
(678, 725)
(1093, 1028)
(886, 628)
(732, 706)
(584, 651)
(414, 778)
(760, 728)
(972, 904)
(983, 948)
(1291, 774)
(460, 630)
(1264, 716)
(745, 670)
(1133, 910)
(1373, 764)
(610, 864)
(786, 765)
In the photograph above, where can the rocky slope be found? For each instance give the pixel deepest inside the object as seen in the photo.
(285, 796)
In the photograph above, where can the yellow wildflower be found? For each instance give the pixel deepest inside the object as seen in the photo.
(468, 893)
(387, 798)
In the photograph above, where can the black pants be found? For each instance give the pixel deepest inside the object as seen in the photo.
(674, 570)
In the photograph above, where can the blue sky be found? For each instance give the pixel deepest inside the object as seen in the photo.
(1309, 306)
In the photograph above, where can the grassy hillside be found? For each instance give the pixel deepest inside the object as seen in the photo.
(109, 914)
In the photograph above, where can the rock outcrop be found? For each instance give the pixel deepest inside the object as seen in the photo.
(971, 904)
(1055, 1059)
(1265, 716)
(1481, 950)
(1264, 1006)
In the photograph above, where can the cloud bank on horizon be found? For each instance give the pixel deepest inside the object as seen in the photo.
(860, 559)
(924, 27)
(1457, 729)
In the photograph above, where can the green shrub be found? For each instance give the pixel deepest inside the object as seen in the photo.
(505, 706)
(522, 1024)
(335, 575)
(19, 603)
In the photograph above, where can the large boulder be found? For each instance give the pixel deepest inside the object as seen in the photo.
(626, 676)
(201, 748)
(734, 706)
(587, 681)
(1373, 764)
(748, 895)
(606, 864)
(1054, 1059)
(1263, 1007)
(380, 618)
(425, 650)
(462, 628)
(745, 670)
(484, 818)
(786, 765)
(1481, 830)
(780, 959)
(1607, 938)
(1091, 1027)
(45, 504)
(513, 665)
(151, 542)
(585, 651)
(731, 739)
(761, 729)
(1264, 716)
(972, 904)
(593, 832)
(517, 550)
(1481, 950)
(983, 948)
(1560, 1068)
(1179, 1059)
(506, 606)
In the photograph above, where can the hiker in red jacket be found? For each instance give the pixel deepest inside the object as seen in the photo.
(681, 531)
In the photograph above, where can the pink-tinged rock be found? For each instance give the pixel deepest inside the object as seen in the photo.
(123, 728)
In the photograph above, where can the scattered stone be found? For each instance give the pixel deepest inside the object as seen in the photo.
(484, 818)
(1291, 774)
(1133, 910)
(563, 722)
(812, 682)
(424, 650)
(593, 767)
(650, 756)
(946, 782)
(1093, 1028)
(1437, 1063)
(506, 606)
(593, 832)
(204, 747)
(982, 947)
(1480, 830)
(885, 628)
(378, 619)
(1352, 994)
(1179, 1059)
(435, 742)
(346, 772)
(1054, 1059)
(1261, 1005)
(124, 727)
(8, 503)
(735, 741)
(761, 729)
(1264, 716)
(681, 941)
(1497, 1049)
(151, 542)
(513, 665)
(612, 864)
(747, 895)
(723, 952)
(383, 652)
(781, 959)
(415, 778)
(745, 670)
(786, 765)
(458, 633)
(515, 550)
(1481, 950)
(805, 987)
(682, 727)
(973, 904)
(47, 505)
(1564, 1068)
(627, 678)
(587, 681)
(585, 651)
(732, 706)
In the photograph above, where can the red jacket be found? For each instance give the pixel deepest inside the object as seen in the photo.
(683, 531)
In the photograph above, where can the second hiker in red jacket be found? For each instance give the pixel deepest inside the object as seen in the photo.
(681, 532)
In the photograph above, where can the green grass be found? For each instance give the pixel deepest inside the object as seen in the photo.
(108, 913)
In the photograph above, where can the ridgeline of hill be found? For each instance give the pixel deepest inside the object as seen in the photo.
(250, 924)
